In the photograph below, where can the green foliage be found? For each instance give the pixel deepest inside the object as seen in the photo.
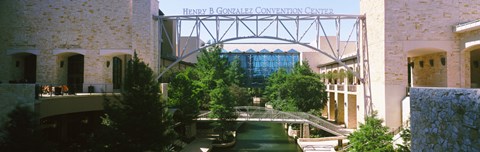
(350, 76)
(168, 76)
(371, 136)
(212, 84)
(221, 107)
(319, 133)
(209, 68)
(182, 96)
(235, 73)
(22, 132)
(284, 105)
(240, 95)
(306, 92)
(301, 90)
(407, 138)
(276, 85)
(139, 120)
(302, 69)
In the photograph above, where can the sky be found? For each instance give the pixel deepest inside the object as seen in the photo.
(175, 7)
(350, 7)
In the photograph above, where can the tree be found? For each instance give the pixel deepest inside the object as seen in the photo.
(182, 95)
(209, 68)
(235, 73)
(275, 85)
(302, 69)
(22, 132)
(221, 107)
(301, 90)
(306, 92)
(371, 136)
(139, 120)
(240, 95)
(407, 139)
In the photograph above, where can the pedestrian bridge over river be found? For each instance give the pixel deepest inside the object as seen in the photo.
(262, 114)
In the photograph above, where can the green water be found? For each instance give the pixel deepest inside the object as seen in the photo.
(260, 136)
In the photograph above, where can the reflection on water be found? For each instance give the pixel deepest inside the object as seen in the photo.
(260, 136)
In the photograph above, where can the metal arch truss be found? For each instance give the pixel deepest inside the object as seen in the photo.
(224, 25)
(262, 114)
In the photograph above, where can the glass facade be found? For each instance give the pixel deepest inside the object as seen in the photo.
(258, 65)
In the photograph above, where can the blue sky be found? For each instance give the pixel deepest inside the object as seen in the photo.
(176, 7)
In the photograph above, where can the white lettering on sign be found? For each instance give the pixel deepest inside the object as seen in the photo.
(256, 10)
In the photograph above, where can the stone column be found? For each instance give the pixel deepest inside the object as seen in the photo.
(164, 90)
(191, 130)
(305, 130)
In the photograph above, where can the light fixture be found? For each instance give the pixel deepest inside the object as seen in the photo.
(442, 60)
(108, 64)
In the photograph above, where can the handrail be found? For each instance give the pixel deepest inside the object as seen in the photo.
(254, 113)
(62, 89)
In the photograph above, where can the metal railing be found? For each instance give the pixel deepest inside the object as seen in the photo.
(53, 90)
(352, 88)
(341, 87)
(262, 114)
(331, 87)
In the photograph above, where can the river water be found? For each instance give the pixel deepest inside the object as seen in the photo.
(261, 136)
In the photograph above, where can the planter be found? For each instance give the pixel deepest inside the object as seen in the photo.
(225, 145)
(91, 89)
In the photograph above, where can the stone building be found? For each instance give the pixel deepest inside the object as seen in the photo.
(419, 43)
(411, 43)
(79, 43)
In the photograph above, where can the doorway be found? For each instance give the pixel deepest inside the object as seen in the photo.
(117, 73)
(75, 72)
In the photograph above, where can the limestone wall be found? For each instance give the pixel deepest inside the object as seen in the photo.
(429, 75)
(445, 119)
(396, 27)
(76, 27)
(426, 24)
(13, 94)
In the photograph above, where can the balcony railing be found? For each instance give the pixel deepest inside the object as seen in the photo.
(52, 90)
(342, 88)
(352, 88)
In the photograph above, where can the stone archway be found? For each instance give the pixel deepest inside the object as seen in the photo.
(475, 68)
(427, 67)
(24, 68)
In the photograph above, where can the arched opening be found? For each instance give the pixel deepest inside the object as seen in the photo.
(24, 68)
(341, 76)
(335, 77)
(426, 67)
(475, 68)
(75, 72)
(117, 73)
(329, 77)
(350, 76)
